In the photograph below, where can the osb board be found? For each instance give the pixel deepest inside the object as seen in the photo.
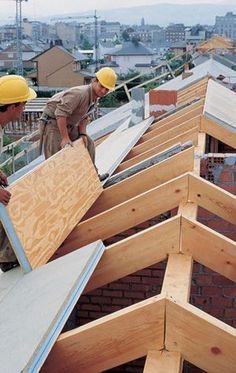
(47, 203)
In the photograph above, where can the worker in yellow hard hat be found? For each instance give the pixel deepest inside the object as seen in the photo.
(14, 93)
(67, 114)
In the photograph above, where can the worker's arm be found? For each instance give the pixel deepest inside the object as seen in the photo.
(62, 125)
(83, 130)
(4, 196)
(3, 179)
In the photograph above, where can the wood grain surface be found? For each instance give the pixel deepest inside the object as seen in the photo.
(48, 202)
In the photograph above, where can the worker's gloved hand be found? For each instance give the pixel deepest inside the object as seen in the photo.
(3, 179)
(4, 196)
(65, 143)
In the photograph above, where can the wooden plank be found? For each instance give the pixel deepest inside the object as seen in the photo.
(218, 132)
(137, 252)
(178, 275)
(209, 248)
(159, 127)
(114, 149)
(177, 118)
(201, 339)
(143, 181)
(163, 137)
(128, 214)
(48, 202)
(36, 308)
(110, 341)
(191, 135)
(163, 361)
(212, 198)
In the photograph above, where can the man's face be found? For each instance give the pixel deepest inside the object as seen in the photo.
(99, 90)
(15, 111)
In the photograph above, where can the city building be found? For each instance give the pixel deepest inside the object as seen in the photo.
(226, 25)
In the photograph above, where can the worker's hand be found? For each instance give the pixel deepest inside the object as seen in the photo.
(4, 196)
(85, 140)
(3, 179)
(65, 142)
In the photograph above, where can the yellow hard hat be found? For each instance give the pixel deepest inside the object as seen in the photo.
(107, 77)
(13, 89)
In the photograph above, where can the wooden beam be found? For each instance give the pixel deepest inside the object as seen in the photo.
(191, 135)
(160, 128)
(128, 214)
(137, 252)
(218, 131)
(212, 198)
(143, 181)
(110, 341)
(209, 248)
(156, 140)
(178, 275)
(163, 362)
(181, 116)
(202, 340)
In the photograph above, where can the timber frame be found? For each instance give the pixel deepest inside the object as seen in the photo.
(166, 328)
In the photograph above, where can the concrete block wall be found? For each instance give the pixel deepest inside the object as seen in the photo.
(210, 291)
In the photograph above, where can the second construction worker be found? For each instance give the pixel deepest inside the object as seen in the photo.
(66, 114)
(14, 93)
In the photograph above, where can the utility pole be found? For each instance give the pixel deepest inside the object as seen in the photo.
(19, 36)
(96, 40)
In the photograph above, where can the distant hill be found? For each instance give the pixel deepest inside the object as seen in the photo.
(163, 14)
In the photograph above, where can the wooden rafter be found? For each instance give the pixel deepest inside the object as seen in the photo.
(218, 131)
(113, 340)
(163, 361)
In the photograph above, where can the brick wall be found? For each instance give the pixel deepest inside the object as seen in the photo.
(210, 291)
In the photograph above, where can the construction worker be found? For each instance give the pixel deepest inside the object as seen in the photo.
(67, 114)
(14, 92)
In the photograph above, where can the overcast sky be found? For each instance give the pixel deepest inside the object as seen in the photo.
(38, 8)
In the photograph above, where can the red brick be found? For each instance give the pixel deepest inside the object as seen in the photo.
(128, 279)
(111, 308)
(217, 312)
(220, 280)
(139, 287)
(152, 280)
(230, 312)
(97, 315)
(196, 300)
(226, 176)
(230, 188)
(144, 272)
(211, 290)
(112, 293)
(203, 279)
(204, 214)
(230, 292)
(133, 294)
(121, 301)
(90, 307)
(119, 286)
(101, 300)
(221, 301)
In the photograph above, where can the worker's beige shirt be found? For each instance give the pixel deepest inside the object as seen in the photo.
(72, 103)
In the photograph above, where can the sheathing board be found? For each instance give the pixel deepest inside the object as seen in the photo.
(35, 306)
(47, 203)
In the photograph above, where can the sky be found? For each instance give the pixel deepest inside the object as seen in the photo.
(40, 8)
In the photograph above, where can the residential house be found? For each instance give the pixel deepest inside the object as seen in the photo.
(132, 56)
(58, 68)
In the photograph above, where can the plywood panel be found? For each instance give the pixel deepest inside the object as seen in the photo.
(35, 309)
(110, 341)
(48, 202)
